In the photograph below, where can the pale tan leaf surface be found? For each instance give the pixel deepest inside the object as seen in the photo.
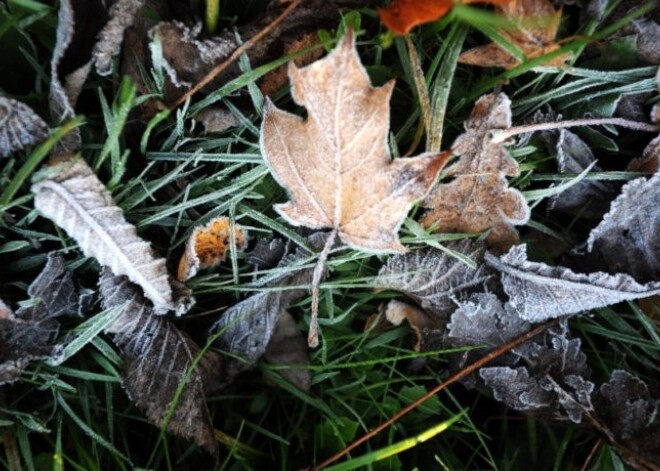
(73, 197)
(158, 360)
(424, 325)
(336, 164)
(478, 198)
(20, 126)
(287, 346)
(534, 30)
(207, 247)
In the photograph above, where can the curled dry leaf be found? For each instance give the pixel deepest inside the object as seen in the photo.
(403, 15)
(535, 25)
(435, 279)
(627, 239)
(73, 197)
(426, 327)
(336, 163)
(540, 292)
(287, 346)
(478, 198)
(20, 126)
(122, 14)
(208, 246)
(158, 361)
(30, 334)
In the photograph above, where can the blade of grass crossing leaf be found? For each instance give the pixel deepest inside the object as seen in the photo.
(88, 430)
(395, 449)
(534, 195)
(88, 330)
(35, 159)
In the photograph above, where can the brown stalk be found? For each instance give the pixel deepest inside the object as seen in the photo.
(218, 69)
(471, 368)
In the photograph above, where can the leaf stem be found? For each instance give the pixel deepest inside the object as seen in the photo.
(501, 135)
(313, 335)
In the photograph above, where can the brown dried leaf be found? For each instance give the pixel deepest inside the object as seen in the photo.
(208, 246)
(20, 126)
(534, 31)
(122, 14)
(73, 197)
(158, 358)
(287, 346)
(479, 198)
(423, 324)
(336, 163)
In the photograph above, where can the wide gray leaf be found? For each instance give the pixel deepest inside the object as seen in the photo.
(287, 346)
(20, 126)
(628, 238)
(75, 199)
(158, 361)
(540, 292)
(30, 334)
(433, 278)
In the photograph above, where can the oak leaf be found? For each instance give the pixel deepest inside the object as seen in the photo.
(403, 15)
(479, 198)
(336, 163)
(534, 31)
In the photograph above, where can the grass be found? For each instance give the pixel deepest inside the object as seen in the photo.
(172, 177)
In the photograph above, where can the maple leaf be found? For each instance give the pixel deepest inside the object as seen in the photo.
(478, 198)
(535, 27)
(336, 163)
(403, 15)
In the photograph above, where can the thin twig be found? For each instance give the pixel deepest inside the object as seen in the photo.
(9, 439)
(471, 368)
(420, 83)
(501, 135)
(313, 335)
(591, 455)
(235, 55)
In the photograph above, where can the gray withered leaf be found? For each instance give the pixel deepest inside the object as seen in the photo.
(122, 14)
(627, 408)
(287, 346)
(158, 360)
(589, 199)
(479, 198)
(245, 329)
(552, 384)
(30, 334)
(628, 238)
(20, 126)
(540, 292)
(433, 278)
(70, 194)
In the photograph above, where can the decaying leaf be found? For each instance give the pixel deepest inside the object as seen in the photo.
(20, 126)
(208, 246)
(433, 278)
(426, 327)
(403, 15)
(122, 14)
(158, 361)
(478, 198)
(589, 199)
(30, 334)
(73, 197)
(535, 27)
(540, 292)
(246, 329)
(626, 240)
(336, 163)
(287, 346)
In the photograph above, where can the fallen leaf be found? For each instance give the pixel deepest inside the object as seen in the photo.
(122, 14)
(207, 247)
(73, 197)
(287, 346)
(159, 360)
(426, 327)
(435, 279)
(336, 163)
(535, 25)
(403, 15)
(626, 240)
(20, 126)
(246, 329)
(540, 292)
(30, 334)
(478, 198)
